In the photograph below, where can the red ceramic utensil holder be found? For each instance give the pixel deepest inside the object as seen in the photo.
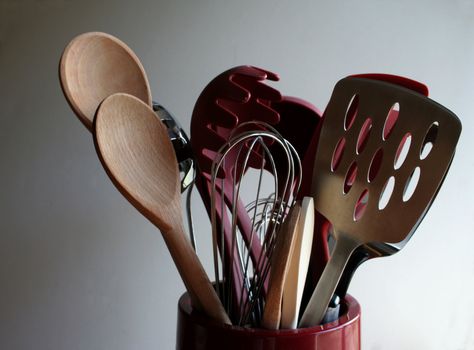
(197, 332)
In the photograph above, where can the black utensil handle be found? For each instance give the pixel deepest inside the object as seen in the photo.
(359, 256)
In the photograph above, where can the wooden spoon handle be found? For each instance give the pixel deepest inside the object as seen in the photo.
(203, 295)
(316, 308)
(280, 262)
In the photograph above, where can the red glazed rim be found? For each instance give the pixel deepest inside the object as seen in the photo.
(349, 303)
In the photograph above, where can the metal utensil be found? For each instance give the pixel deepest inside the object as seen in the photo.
(366, 251)
(138, 156)
(243, 276)
(381, 201)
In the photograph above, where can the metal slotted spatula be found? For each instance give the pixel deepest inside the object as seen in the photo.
(372, 182)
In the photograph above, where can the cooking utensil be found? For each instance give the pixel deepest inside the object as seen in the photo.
(300, 123)
(298, 266)
(323, 227)
(181, 145)
(232, 98)
(138, 156)
(244, 277)
(382, 203)
(284, 248)
(185, 158)
(96, 65)
(366, 251)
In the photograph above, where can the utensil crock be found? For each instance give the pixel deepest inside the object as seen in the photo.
(197, 332)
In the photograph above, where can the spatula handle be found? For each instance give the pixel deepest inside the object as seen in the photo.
(316, 308)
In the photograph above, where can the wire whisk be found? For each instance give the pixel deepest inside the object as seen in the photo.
(242, 262)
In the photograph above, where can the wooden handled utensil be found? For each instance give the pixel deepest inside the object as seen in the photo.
(284, 247)
(138, 156)
(298, 266)
(375, 185)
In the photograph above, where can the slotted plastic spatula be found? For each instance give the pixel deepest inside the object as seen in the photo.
(373, 184)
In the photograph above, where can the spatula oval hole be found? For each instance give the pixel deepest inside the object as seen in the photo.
(410, 185)
(386, 193)
(351, 112)
(337, 154)
(350, 177)
(375, 165)
(402, 151)
(364, 135)
(361, 205)
(391, 120)
(429, 140)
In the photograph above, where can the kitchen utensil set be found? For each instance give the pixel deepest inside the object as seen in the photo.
(298, 199)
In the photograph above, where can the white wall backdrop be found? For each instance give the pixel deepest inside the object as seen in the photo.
(81, 269)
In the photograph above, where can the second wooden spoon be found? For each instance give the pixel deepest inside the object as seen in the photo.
(138, 156)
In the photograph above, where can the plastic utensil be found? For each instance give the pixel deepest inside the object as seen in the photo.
(230, 99)
(376, 201)
(137, 154)
(300, 123)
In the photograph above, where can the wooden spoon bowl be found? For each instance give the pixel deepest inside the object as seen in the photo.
(96, 65)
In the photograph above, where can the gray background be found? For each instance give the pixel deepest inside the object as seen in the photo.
(81, 269)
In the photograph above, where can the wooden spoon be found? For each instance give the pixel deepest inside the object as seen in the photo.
(96, 65)
(298, 266)
(135, 150)
(279, 269)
